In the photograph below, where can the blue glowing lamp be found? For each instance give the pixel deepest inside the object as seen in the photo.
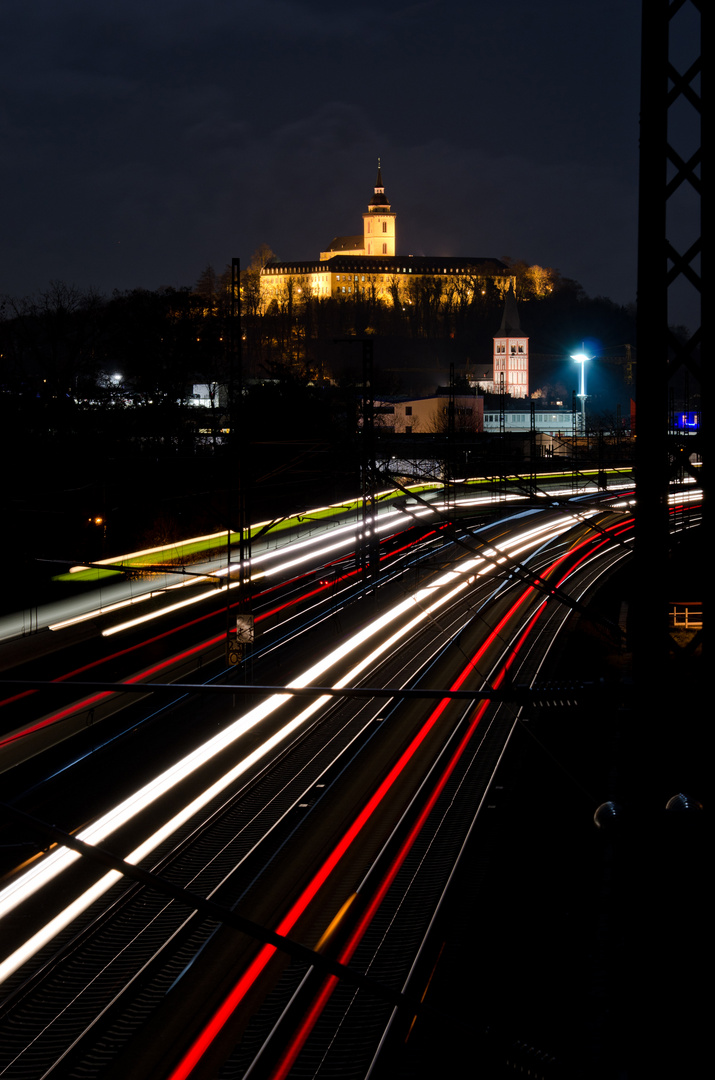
(581, 359)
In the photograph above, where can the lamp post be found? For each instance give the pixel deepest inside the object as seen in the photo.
(581, 359)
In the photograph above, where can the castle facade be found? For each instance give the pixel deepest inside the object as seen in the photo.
(368, 263)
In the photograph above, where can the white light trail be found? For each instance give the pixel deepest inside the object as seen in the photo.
(427, 600)
(166, 610)
(348, 537)
(140, 599)
(385, 519)
(61, 858)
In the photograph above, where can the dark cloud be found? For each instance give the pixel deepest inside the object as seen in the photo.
(142, 141)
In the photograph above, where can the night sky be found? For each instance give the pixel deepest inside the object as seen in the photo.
(142, 141)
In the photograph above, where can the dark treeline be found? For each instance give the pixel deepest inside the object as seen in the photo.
(146, 350)
(99, 417)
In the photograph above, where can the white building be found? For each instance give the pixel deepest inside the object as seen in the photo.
(553, 421)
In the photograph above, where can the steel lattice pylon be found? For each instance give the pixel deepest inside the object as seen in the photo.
(673, 377)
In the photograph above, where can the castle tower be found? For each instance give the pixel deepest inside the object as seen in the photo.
(379, 222)
(511, 353)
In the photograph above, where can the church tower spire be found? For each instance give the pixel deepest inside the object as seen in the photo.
(379, 221)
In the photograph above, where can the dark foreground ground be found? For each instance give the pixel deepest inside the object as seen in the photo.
(570, 950)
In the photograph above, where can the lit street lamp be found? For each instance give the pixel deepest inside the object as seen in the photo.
(581, 359)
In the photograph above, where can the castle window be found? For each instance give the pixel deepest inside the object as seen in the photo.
(384, 249)
(384, 226)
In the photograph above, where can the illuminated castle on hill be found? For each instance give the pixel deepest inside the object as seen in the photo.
(368, 264)
(353, 264)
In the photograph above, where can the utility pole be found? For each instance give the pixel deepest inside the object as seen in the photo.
(239, 639)
(369, 549)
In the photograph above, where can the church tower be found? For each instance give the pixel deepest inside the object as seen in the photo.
(379, 222)
(511, 353)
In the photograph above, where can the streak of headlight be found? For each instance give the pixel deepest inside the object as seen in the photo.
(164, 547)
(287, 541)
(96, 612)
(327, 550)
(48, 868)
(377, 527)
(349, 537)
(60, 859)
(118, 627)
(98, 831)
(306, 515)
(289, 920)
(348, 533)
(543, 532)
(311, 541)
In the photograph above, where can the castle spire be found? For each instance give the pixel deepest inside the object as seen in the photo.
(379, 199)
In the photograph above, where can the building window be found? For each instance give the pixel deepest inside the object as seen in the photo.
(408, 430)
(408, 410)
(384, 226)
(384, 249)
